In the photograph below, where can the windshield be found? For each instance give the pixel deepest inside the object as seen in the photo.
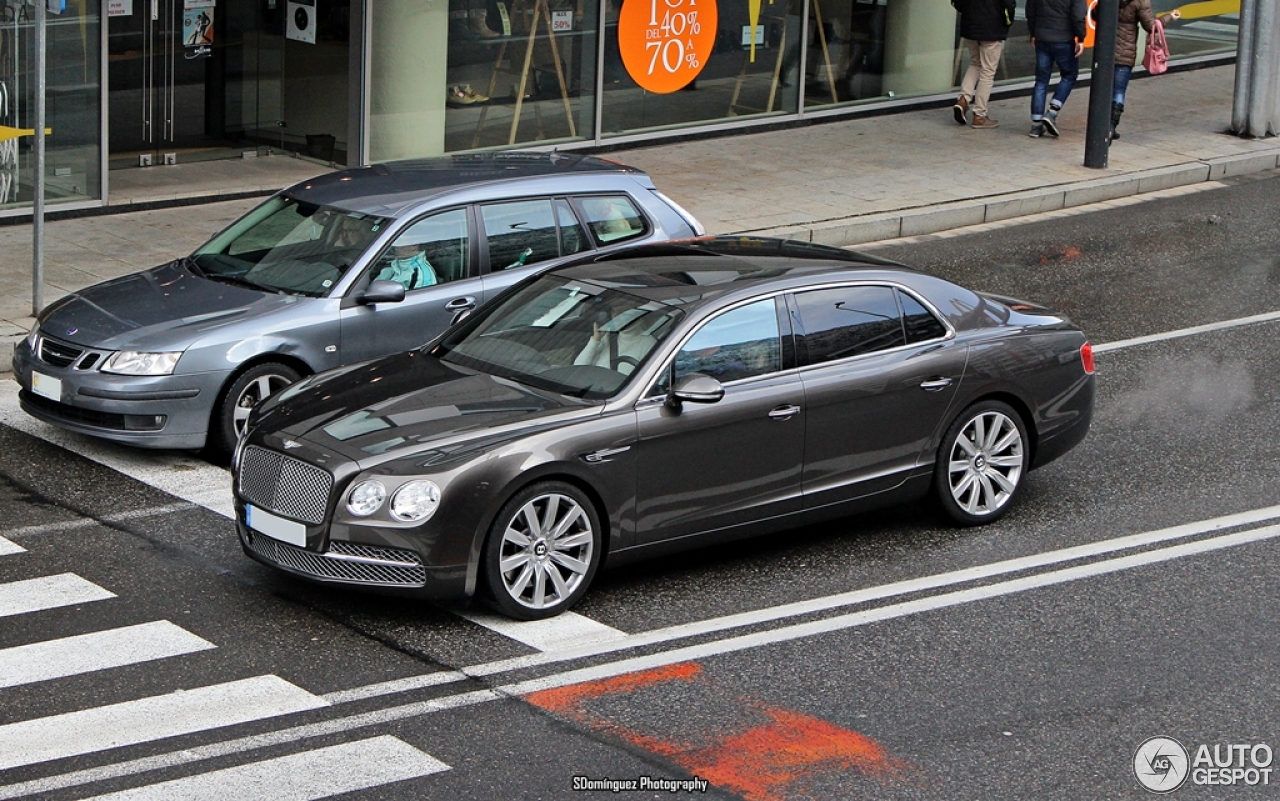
(286, 245)
(571, 337)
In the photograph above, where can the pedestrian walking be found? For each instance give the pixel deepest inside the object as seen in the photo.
(984, 24)
(1132, 14)
(1057, 32)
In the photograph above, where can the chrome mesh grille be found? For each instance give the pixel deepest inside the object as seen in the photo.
(284, 485)
(407, 572)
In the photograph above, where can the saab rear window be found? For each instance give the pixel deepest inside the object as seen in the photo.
(612, 218)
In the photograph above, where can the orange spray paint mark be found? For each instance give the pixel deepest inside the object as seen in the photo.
(767, 762)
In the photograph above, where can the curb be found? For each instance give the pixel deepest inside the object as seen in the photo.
(7, 344)
(865, 228)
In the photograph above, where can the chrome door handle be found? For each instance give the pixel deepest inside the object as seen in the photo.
(784, 412)
(458, 304)
(935, 384)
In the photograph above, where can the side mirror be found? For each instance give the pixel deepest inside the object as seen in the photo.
(695, 388)
(383, 292)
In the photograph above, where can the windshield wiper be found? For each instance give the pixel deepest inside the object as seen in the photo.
(194, 266)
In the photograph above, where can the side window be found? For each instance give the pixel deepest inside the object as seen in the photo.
(431, 251)
(520, 233)
(572, 238)
(848, 321)
(921, 325)
(741, 343)
(612, 218)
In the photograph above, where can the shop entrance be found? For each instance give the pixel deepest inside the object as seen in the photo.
(166, 92)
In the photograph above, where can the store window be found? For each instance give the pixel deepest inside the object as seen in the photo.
(73, 103)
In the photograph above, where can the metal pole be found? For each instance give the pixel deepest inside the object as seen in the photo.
(37, 203)
(1244, 67)
(1097, 136)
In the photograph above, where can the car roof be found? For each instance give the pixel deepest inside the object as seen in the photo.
(688, 272)
(391, 186)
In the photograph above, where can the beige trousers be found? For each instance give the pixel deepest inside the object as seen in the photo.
(984, 57)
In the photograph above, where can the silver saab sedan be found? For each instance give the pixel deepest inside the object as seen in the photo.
(338, 269)
(669, 396)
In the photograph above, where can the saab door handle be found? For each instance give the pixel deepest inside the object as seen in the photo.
(784, 412)
(935, 384)
(460, 304)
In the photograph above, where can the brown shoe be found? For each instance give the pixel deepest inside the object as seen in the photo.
(985, 122)
(961, 109)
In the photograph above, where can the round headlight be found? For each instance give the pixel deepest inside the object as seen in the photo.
(366, 498)
(415, 501)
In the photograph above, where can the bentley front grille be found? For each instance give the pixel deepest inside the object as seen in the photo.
(345, 561)
(284, 485)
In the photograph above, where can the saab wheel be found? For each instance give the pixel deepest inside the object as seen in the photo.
(249, 389)
(981, 463)
(543, 550)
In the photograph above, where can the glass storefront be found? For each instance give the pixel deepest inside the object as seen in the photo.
(357, 81)
(73, 106)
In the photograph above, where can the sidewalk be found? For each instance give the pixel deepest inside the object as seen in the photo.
(839, 183)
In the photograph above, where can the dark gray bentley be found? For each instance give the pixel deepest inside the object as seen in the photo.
(661, 397)
(337, 269)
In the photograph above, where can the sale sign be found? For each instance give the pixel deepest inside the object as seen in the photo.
(666, 43)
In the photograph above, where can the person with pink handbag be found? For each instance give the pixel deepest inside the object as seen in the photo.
(1132, 14)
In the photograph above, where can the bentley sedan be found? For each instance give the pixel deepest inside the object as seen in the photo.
(659, 398)
(338, 269)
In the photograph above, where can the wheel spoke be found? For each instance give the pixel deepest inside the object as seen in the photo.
(987, 492)
(999, 478)
(517, 537)
(517, 587)
(964, 444)
(570, 517)
(1006, 441)
(238, 417)
(549, 514)
(979, 431)
(958, 466)
(576, 565)
(959, 489)
(557, 580)
(513, 562)
(539, 585)
(572, 541)
(531, 522)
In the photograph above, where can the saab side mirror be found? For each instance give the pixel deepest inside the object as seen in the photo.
(695, 388)
(383, 292)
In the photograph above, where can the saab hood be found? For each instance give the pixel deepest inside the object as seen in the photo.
(164, 308)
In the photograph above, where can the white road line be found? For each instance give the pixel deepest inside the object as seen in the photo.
(621, 667)
(88, 730)
(179, 475)
(100, 650)
(555, 633)
(311, 775)
(71, 525)
(48, 592)
(1223, 325)
(8, 548)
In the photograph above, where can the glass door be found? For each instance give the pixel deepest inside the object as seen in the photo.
(164, 83)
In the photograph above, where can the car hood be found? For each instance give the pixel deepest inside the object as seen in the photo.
(164, 308)
(409, 404)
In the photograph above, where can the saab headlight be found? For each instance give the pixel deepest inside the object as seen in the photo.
(415, 501)
(366, 498)
(129, 362)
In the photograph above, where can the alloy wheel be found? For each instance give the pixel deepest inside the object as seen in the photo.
(547, 551)
(985, 464)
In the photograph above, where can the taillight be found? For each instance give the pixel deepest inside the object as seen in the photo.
(1086, 357)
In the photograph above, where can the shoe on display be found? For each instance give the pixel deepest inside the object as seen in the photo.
(982, 123)
(1037, 130)
(463, 95)
(961, 109)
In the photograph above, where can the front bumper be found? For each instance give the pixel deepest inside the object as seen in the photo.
(171, 411)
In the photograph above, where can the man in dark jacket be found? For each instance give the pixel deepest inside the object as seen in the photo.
(1057, 32)
(985, 25)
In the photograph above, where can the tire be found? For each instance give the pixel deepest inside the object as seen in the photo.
(982, 462)
(247, 390)
(543, 551)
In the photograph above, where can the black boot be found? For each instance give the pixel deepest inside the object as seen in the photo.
(1116, 110)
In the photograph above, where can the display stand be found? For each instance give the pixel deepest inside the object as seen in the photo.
(735, 106)
(541, 15)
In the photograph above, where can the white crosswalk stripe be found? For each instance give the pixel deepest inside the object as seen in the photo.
(321, 773)
(49, 592)
(85, 653)
(147, 719)
(7, 547)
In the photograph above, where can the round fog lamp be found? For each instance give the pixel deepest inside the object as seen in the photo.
(415, 501)
(366, 498)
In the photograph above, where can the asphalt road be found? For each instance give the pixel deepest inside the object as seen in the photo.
(1129, 595)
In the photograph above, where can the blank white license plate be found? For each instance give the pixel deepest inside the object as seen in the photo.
(277, 528)
(46, 386)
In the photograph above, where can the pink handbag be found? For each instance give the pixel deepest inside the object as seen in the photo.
(1156, 59)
